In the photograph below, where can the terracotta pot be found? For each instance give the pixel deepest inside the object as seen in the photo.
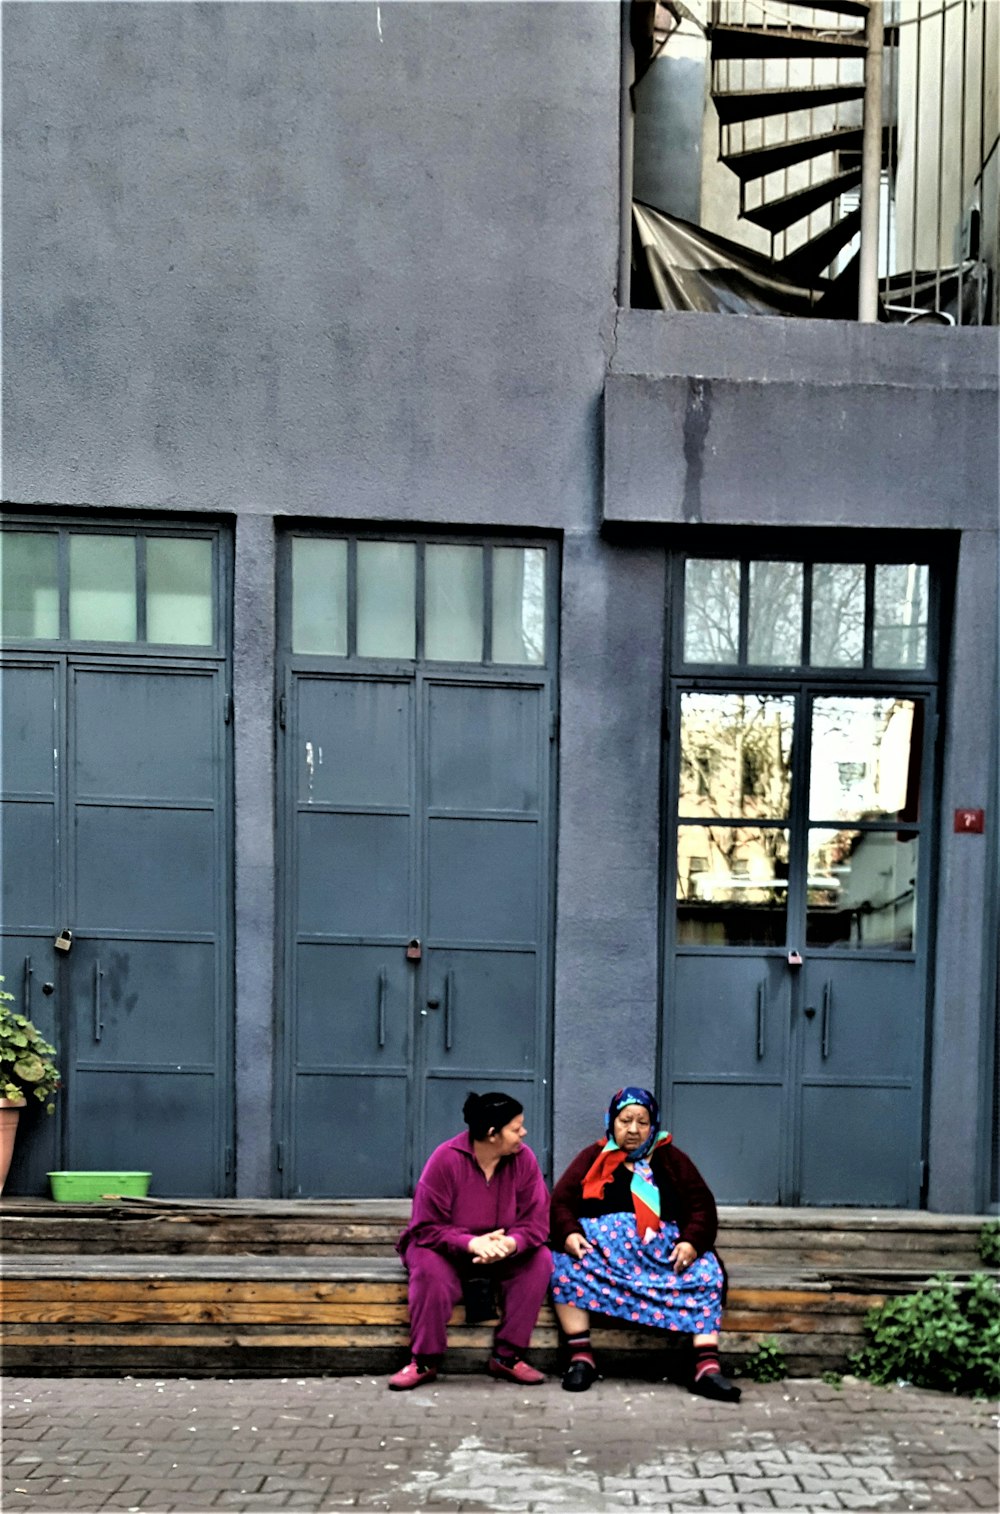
(10, 1113)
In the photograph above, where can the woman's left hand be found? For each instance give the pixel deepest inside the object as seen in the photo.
(682, 1256)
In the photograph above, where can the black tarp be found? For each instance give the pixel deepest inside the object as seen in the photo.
(679, 266)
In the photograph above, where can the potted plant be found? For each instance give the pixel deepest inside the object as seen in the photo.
(26, 1067)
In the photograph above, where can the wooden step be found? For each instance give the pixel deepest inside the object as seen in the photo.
(370, 1227)
(784, 42)
(252, 1315)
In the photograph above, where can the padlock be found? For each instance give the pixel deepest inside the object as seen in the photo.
(63, 941)
(413, 952)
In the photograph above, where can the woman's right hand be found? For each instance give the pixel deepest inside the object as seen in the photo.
(577, 1245)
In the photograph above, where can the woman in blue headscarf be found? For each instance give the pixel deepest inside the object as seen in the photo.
(633, 1224)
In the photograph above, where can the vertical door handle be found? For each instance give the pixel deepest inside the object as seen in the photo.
(98, 1022)
(380, 1016)
(449, 1005)
(26, 994)
(827, 1012)
(761, 1004)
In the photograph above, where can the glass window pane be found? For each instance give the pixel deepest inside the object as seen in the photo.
(102, 588)
(387, 599)
(453, 604)
(838, 615)
(179, 591)
(736, 755)
(711, 610)
(518, 604)
(29, 585)
(865, 759)
(774, 631)
(732, 885)
(900, 630)
(862, 889)
(319, 596)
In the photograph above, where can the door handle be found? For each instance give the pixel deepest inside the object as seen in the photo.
(809, 1011)
(380, 1013)
(26, 994)
(98, 1022)
(827, 1016)
(761, 1003)
(449, 997)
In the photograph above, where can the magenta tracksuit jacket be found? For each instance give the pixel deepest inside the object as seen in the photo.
(454, 1202)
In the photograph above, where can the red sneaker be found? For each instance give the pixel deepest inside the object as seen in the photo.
(411, 1376)
(516, 1371)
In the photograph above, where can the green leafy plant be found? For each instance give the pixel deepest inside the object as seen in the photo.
(989, 1243)
(26, 1058)
(944, 1336)
(767, 1364)
(832, 1380)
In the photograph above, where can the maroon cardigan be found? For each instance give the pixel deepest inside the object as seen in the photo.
(684, 1194)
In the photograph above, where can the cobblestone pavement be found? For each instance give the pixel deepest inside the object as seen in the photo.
(469, 1443)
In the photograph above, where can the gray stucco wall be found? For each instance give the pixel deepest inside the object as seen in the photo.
(315, 258)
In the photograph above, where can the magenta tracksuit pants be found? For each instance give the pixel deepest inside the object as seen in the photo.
(436, 1287)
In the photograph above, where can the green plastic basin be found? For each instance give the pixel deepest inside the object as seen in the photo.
(91, 1187)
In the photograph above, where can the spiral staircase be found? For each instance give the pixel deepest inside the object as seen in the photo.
(788, 87)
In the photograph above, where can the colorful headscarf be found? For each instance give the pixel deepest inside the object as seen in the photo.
(645, 1193)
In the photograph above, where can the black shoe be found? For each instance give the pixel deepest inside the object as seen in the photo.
(579, 1375)
(714, 1385)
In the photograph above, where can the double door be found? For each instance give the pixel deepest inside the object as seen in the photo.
(115, 940)
(800, 886)
(417, 864)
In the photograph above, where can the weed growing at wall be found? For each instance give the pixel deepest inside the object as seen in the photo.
(767, 1364)
(945, 1336)
(989, 1243)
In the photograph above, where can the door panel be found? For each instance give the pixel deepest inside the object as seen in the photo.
(146, 978)
(29, 817)
(733, 1134)
(862, 1045)
(855, 1147)
(730, 1053)
(418, 815)
(353, 874)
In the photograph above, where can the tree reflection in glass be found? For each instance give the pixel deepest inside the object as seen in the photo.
(838, 615)
(774, 633)
(711, 609)
(736, 755)
(865, 758)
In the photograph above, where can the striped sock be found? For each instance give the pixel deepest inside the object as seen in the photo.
(579, 1348)
(706, 1359)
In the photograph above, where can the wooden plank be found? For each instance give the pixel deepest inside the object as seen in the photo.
(46, 1290)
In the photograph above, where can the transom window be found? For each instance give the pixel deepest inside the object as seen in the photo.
(740, 612)
(62, 584)
(411, 600)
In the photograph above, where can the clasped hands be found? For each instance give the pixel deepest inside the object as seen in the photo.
(493, 1247)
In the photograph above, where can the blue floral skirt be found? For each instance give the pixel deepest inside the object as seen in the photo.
(632, 1280)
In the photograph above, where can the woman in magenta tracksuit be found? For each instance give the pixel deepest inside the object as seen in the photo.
(481, 1208)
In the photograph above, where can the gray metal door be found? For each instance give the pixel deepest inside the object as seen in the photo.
(798, 981)
(116, 832)
(800, 886)
(417, 910)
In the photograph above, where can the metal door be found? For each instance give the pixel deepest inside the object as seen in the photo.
(116, 840)
(798, 980)
(417, 910)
